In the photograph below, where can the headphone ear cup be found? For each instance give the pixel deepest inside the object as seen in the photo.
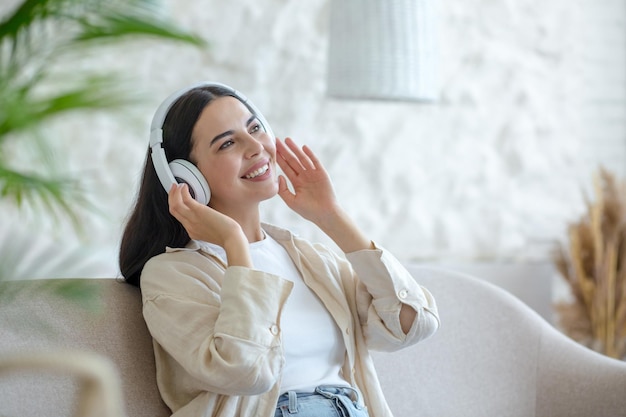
(186, 172)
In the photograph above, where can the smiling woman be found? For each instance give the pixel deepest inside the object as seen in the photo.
(225, 295)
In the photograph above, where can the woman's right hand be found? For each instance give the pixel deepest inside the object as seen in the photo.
(204, 223)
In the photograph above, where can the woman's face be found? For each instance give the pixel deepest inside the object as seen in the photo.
(235, 155)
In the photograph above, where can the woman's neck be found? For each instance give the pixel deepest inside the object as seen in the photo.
(253, 231)
(249, 220)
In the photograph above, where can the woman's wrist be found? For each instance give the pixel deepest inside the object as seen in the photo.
(238, 251)
(344, 232)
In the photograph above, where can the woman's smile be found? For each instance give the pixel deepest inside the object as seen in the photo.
(258, 172)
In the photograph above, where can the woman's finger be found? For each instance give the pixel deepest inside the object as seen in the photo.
(188, 200)
(289, 153)
(179, 202)
(303, 158)
(283, 158)
(315, 162)
(173, 197)
(283, 190)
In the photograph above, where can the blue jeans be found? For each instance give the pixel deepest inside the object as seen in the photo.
(326, 401)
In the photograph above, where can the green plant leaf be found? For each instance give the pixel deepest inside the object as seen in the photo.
(52, 194)
(38, 40)
(23, 16)
(27, 109)
(113, 26)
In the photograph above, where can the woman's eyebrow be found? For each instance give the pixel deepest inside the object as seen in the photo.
(220, 136)
(230, 132)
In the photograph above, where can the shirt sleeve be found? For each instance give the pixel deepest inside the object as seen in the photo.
(384, 285)
(227, 337)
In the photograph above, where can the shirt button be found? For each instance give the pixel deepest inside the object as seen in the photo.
(274, 330)
(403, 293)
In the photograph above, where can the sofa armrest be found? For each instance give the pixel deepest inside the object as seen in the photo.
(99, 392)
(573, 380)
(494, 356)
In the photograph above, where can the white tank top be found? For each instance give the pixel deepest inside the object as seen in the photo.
(312, 343)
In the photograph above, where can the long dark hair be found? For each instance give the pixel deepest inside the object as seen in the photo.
(150, 227)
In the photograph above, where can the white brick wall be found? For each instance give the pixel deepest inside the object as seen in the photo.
(603, 51)
(532, 100)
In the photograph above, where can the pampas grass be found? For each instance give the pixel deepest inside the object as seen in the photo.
(593, 263)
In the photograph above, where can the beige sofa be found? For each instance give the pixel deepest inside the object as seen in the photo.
(493, 356)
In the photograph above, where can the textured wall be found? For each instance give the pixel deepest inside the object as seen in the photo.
(493, 171)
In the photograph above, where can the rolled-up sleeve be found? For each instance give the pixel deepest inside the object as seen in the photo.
(384, 286)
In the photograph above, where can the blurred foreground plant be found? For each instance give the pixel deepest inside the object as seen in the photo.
(43, 44)
(41, 47)
(39, 41)
(594, 266)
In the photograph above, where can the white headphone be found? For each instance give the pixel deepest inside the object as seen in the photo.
(181, 170)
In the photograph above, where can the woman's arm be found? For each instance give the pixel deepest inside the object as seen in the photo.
(221, 327)
(314, 199)
(384, 289)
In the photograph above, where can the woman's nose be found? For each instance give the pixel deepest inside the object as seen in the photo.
(254, 146)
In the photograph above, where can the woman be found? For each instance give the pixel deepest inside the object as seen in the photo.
(247, 318)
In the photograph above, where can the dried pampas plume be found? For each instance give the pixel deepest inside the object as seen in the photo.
(593, 262)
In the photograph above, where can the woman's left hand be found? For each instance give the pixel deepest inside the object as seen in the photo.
(313, 197)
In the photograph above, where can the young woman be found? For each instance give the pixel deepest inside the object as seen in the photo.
(247, 318)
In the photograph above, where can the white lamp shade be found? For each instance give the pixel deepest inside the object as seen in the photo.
(382, 49)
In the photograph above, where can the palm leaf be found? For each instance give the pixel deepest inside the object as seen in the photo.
(34, 39)
(114, 26)
(94, 19)
(53, 195)
(28, 109)
(23, 16)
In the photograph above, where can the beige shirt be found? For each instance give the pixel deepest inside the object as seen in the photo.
(216, 329)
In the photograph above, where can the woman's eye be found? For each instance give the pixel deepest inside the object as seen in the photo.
(226, 144)
(255, 128)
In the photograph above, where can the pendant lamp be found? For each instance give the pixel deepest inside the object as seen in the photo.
(382, 50)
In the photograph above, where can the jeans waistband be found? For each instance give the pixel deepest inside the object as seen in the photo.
(332, 391)
(290, 398)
